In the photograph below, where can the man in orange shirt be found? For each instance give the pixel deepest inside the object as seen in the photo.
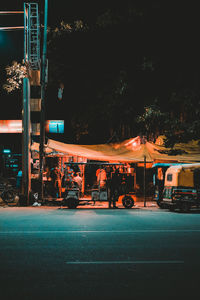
(101, 177)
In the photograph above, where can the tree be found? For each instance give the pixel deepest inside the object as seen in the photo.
(152, 122)
(15, 74)
(113, 61)
(184, 120)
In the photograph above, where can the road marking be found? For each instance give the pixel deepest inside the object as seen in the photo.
(100, 231)
(134, 262)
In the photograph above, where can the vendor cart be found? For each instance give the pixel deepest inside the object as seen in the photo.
(72, 199)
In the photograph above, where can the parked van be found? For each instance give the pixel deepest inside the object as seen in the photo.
(182, 187)
(159, 171)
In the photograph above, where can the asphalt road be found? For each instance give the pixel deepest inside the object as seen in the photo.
(52, 253)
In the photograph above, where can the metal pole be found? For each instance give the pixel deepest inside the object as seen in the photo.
(43, 88)
(25, 33)
(26, 168)
(144, 181)
(26, 126)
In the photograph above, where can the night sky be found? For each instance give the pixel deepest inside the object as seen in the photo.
(168, 33)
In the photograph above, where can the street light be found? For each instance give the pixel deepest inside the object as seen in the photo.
(11, 28)
(11, 13)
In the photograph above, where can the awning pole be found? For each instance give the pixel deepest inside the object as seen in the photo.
(144, 181)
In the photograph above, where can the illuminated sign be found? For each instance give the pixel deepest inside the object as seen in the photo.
(10, 126)
(55, 126)
(6, 151)
(15, 126)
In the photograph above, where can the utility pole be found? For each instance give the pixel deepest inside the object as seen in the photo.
(32, 83)
(31, 86)
(26, 141)
(43, 90)
(26, 138)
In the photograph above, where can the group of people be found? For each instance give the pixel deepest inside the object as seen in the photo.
(67, 179)
(109, 180)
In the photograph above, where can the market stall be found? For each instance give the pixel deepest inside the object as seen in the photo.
(129, 152)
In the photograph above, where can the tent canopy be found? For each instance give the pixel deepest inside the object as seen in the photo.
(130, 150)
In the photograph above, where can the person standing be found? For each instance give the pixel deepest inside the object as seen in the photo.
(114, 188)
(109, 170)
(68, 177)
(78, 180)
(160, 182)
(19, 180)
(56, 177)
(101, 177)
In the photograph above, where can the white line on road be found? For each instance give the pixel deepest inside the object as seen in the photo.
(126, 262)
(100, 231)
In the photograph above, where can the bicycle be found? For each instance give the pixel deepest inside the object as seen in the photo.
(8, 193)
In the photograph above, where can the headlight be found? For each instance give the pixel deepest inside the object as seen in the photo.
(176, 197)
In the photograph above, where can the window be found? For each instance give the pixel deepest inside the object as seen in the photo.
(169, 177)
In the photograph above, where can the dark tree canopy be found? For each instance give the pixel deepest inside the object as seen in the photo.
(118, 60)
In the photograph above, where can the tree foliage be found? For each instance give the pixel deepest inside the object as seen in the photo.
(15, 74)
(114, 61)
(152, 122)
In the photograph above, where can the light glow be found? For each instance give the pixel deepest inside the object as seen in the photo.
(10, 126)
(15, 126)
(6, 151)
(11, 12)
(55, 126)
(11, 27)
(133, 143)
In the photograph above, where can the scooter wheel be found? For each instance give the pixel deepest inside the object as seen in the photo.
(128, 201)
(72, 202)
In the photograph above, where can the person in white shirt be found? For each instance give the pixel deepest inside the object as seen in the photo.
(78, 180)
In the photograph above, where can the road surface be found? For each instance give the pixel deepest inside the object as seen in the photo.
(58, 253)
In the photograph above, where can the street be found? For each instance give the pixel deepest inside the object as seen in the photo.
(52, 253)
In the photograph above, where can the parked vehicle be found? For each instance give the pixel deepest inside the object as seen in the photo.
(182, 187)
(71, 196)
(8, 193)
(159, 171)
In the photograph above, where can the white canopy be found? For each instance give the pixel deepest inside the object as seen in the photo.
(130, 150)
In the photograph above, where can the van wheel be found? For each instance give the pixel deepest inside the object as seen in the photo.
(160, 204)
(128, 201)
(171, 208)
(185, 207)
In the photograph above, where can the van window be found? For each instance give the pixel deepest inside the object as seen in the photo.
(169, 177)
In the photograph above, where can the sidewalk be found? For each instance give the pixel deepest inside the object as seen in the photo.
(87, 204)
(103, 205)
